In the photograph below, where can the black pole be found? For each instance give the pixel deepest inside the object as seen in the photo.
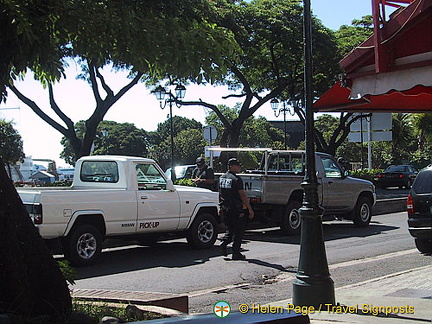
(173, 175)
(313, 285)
(285, 132)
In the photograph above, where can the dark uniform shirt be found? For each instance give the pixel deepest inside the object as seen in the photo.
(204, 173)
(229, 197)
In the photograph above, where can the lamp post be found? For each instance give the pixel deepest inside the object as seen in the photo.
(160, 93)
(274, 104)
(313, 285)
(105, 133)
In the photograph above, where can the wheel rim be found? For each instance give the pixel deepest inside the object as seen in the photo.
(294, 219)
(86, 246)
(205, 231)
(364, 212)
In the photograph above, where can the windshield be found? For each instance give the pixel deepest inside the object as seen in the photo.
(397, 168)
(423, 183)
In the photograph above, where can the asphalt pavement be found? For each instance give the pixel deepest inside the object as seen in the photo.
(404, 297)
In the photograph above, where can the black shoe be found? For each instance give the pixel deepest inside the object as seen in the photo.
(223, 248)
(238, 256)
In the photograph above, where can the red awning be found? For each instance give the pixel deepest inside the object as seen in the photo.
(392, 70)
(416, 99)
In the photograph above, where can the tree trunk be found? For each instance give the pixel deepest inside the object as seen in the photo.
(31, 283)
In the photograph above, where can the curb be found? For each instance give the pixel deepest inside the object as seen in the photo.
(171, 301)
(392, 205)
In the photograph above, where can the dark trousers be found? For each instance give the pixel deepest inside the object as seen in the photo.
(236, 227)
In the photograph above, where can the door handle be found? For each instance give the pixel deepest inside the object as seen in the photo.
(144, 197)
(330, 182)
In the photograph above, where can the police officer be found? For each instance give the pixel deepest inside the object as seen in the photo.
(203, 175)
(235, 207)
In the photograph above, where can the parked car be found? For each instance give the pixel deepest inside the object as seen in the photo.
(419, 207)
(397, 176)
(181, 171)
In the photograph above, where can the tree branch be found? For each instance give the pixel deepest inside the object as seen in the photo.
(105, 86)
(33, 106)
(94, 85)
(69, 123)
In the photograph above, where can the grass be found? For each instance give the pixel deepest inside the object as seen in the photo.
(98, 310)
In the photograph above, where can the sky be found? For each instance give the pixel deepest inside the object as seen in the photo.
(138, 106)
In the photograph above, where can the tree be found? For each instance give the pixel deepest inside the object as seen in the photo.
(11, 145)
(40, 35)
(349, 37)
(111, 138)
(270, 34)
(256, 132)
(403, 139)
(160, 141)
(95, 34)
(32, 287)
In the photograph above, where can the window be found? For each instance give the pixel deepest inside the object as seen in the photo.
(287, 163)
(332, 170)
(99, 171)
(149, 178)
(423, 183)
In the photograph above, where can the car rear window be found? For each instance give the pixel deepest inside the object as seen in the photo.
(423, 182)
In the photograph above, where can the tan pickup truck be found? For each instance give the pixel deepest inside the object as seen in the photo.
(275, 191)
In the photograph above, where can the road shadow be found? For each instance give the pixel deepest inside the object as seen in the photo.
(332, 230)
(121, 257)
(170, 254)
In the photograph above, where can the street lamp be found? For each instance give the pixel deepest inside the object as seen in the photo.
(313, 285)
(160, 93)
(274, 104)
(105, 133)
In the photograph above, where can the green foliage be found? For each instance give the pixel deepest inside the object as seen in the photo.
(256, 131)
(185, 182)
(366, 174)
(11, 145)
(349, 37)
(120, 139)
(68, 272)
(99, 310)
(188, 142)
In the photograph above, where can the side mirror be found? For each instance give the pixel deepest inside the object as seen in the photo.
(170, 185)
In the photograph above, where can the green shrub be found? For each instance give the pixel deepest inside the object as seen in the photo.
(185, 182)
(366, 174)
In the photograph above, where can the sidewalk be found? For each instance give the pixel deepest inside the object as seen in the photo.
(406, 297)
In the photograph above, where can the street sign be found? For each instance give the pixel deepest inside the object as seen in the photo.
(210, 133)
(375, 136)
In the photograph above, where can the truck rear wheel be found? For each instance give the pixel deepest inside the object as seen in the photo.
(202, 234)
(291, 221)
(83, 246)
(362, 213)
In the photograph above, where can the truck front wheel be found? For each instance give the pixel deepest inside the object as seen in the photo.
(83, 246)
(291, 222)
(362, 213)
(202, 234)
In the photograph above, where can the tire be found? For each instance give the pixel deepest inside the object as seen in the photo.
(362, 212)
(291, 221)
(424, 246)
(83, 245)
(202, 234)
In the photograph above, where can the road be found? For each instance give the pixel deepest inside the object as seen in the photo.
(354, 255)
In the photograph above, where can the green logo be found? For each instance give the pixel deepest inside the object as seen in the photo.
(221, 309)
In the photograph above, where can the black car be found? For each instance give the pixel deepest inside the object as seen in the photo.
(397, 176)
(419, 207)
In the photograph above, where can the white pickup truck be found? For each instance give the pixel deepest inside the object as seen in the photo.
(120, 197)
(275, 192)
